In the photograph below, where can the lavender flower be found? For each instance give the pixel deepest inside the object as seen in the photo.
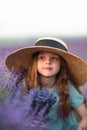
(20, 109)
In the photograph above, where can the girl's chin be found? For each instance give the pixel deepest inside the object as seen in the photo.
(48, 76)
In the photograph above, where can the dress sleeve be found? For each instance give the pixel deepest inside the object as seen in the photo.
(76, 99)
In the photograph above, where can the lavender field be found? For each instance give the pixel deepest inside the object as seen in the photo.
(16, 112)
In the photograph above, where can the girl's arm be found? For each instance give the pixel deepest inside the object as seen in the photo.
(82, 112)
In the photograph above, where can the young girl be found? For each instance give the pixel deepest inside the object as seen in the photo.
(51, 66)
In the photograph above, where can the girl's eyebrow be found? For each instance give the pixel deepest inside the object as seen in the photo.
(55, 55)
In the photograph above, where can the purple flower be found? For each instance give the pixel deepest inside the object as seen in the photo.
(41, 99)
(21, 109)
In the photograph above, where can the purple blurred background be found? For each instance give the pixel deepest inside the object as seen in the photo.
(76, 45)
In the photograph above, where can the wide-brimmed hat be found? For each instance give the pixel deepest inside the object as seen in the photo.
(23, 57)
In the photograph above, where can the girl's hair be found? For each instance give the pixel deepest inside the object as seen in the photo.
(62, 79)
(32, 72)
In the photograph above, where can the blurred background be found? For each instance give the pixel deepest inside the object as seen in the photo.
(22, 22)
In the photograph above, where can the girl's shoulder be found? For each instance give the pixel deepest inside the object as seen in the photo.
(76, 98)
(71, 86)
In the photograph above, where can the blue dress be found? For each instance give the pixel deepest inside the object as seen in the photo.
(70, 123)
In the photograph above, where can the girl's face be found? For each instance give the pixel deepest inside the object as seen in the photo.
(48, 64)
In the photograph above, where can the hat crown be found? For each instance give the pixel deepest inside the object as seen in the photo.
(52, 42)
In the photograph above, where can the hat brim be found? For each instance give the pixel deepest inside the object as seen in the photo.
(22, 58)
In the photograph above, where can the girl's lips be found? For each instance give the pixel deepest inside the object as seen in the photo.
(48, 68)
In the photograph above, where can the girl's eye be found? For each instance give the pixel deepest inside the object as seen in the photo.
(54, 58)
(41, 57)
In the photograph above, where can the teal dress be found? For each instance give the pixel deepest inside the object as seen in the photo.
(71, 122)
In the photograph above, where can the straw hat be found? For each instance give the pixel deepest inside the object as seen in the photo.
(22, 57)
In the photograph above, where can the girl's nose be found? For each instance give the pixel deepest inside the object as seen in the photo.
(48, 61)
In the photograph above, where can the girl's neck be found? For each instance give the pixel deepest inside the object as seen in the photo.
(48, 82)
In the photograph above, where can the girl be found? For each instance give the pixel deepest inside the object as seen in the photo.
(51, 66)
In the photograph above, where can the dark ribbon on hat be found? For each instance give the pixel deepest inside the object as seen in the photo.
(51, 43)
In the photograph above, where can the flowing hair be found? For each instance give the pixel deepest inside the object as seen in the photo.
(32, 72)
(62, 79)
